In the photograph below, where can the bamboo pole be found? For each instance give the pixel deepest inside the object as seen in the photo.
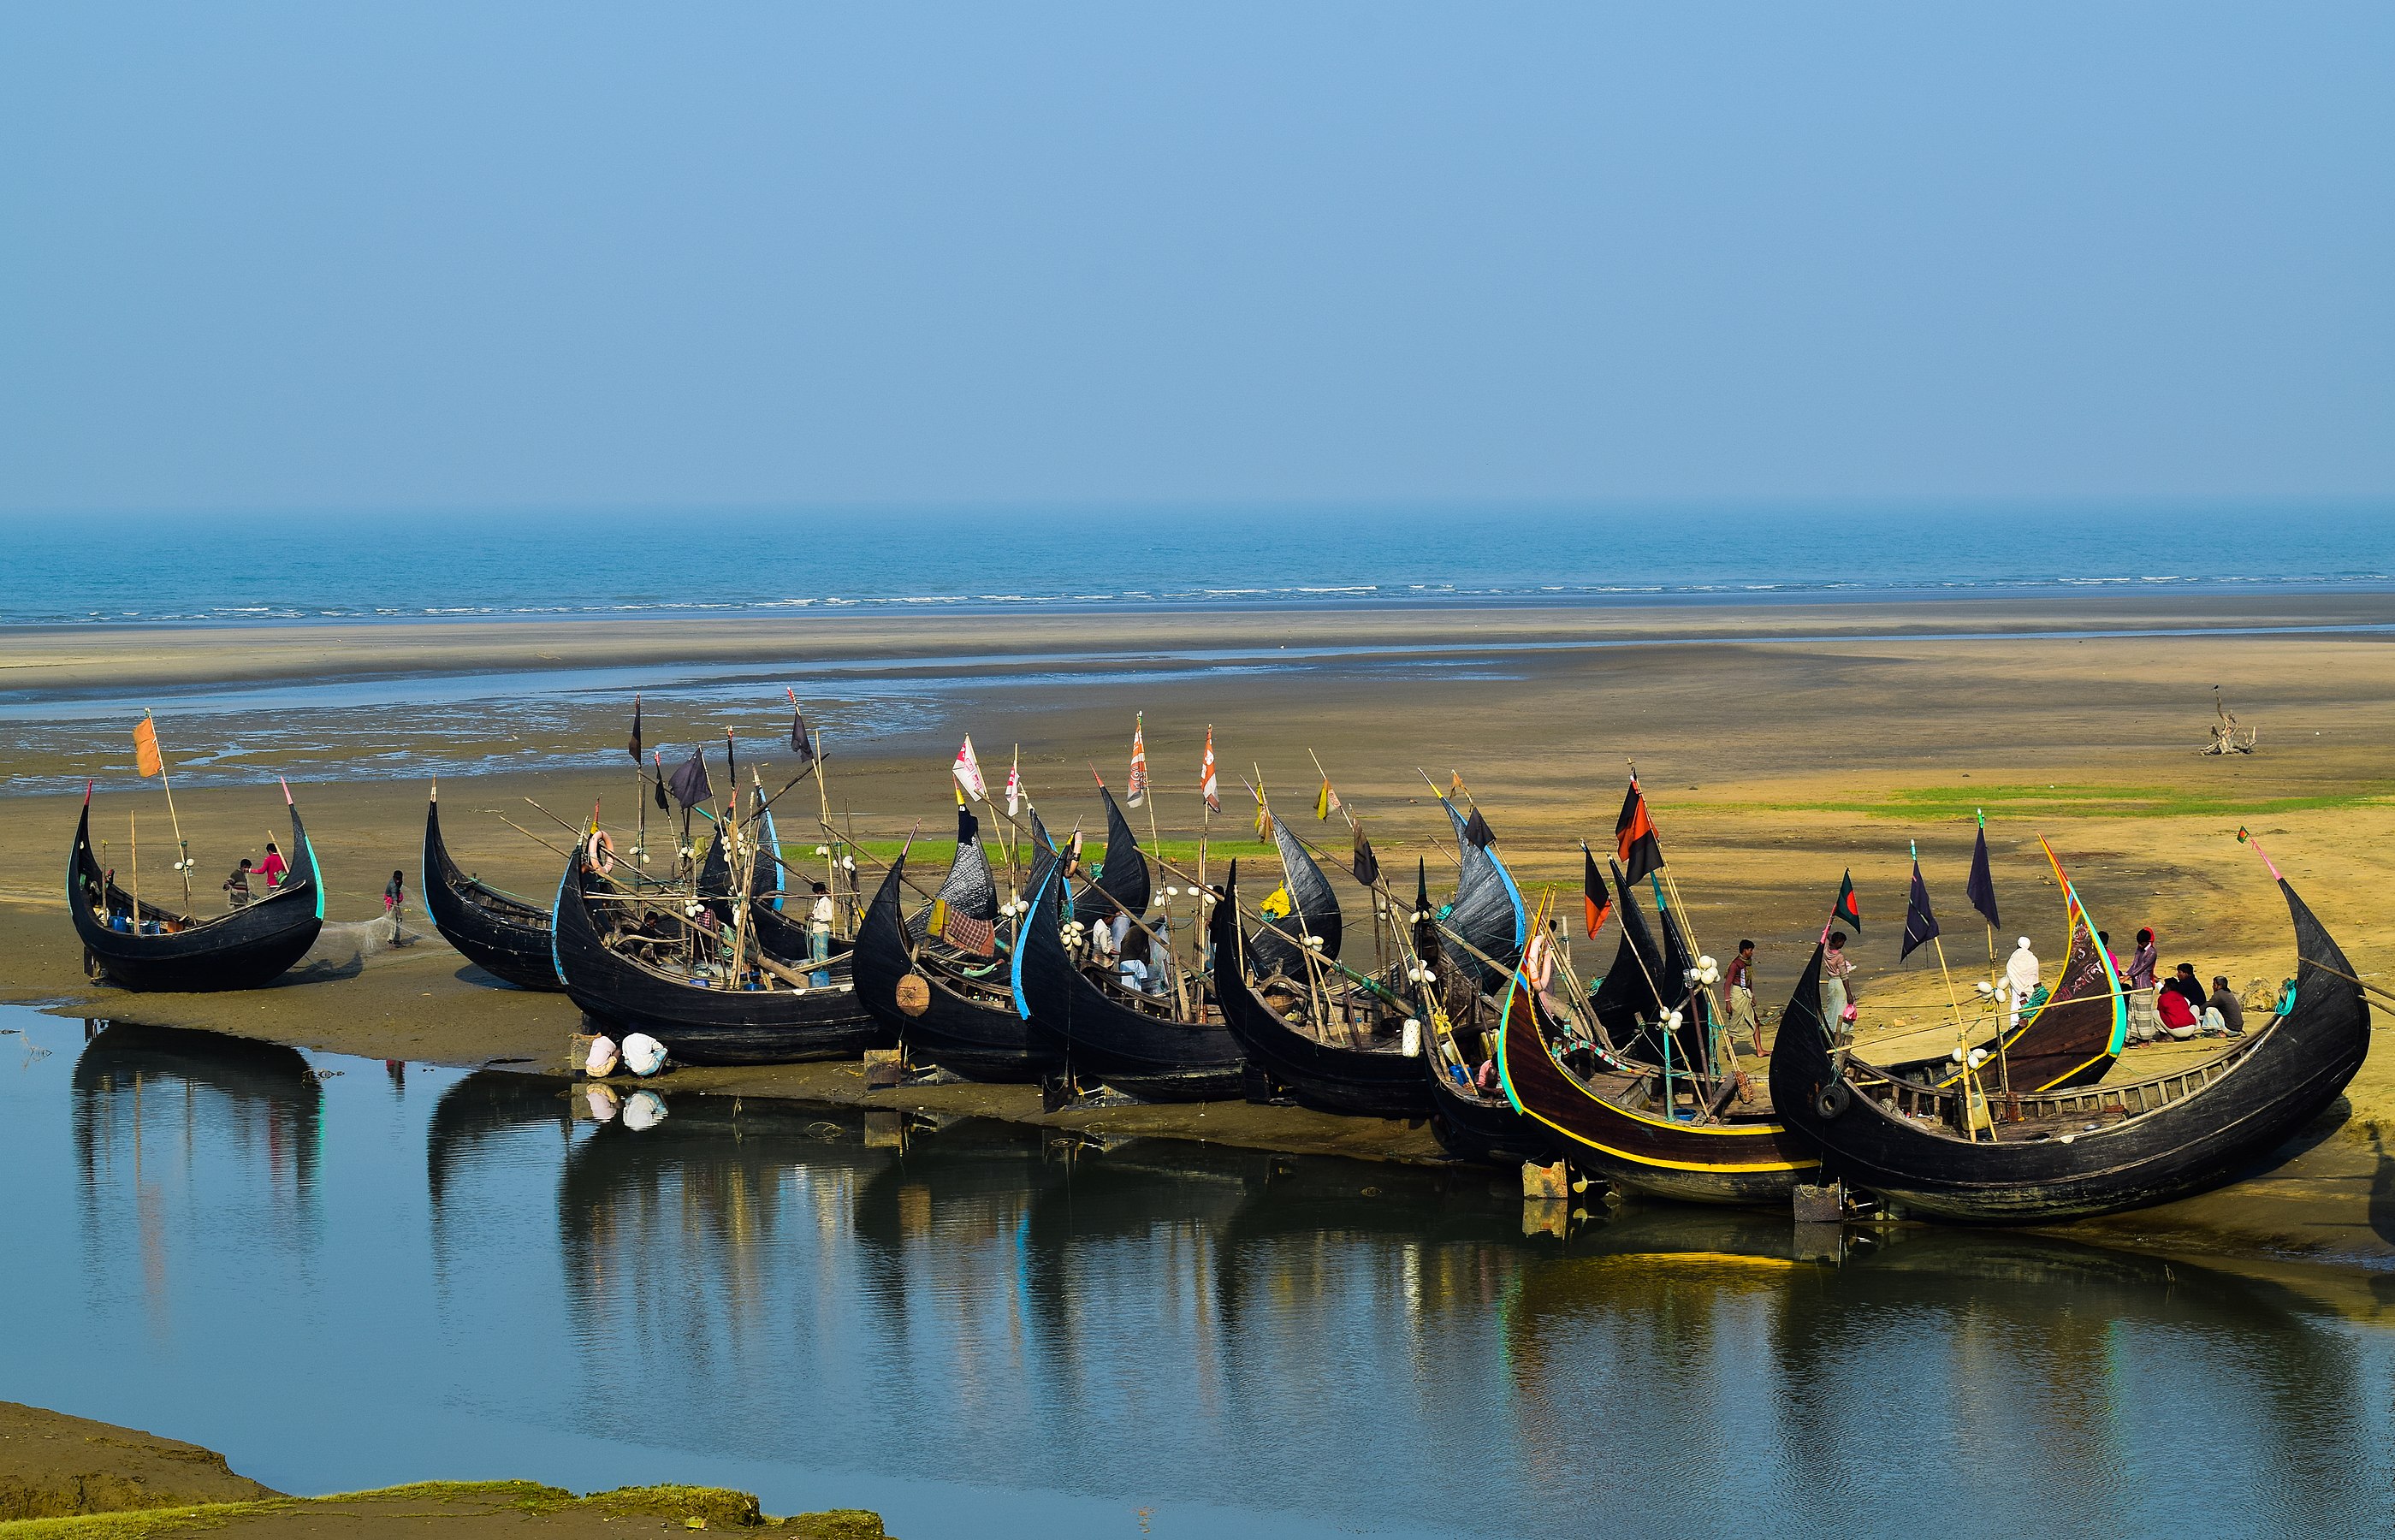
(133, 842)
(182, 848)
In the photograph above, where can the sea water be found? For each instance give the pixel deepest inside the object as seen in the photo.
(86, 568)
(345, 1273)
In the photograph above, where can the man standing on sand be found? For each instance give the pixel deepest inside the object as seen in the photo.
(2145, 1017)
(1738, 996)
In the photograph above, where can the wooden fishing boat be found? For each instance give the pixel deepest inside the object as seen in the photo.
(1488, 911)
(1335, 1042)
(1095, 1030)
(501, 934)
(138, 945)
(1614, 1118)
(961, 1014)
(616, 962)
(1955, 1153)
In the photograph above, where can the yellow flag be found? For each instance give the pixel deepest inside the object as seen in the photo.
(145, 749)
(1275, 905)
(1455, 792)
(1326, 801)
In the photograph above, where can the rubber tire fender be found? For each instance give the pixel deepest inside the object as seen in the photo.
(1832, 1101)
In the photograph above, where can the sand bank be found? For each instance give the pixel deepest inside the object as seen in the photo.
(1772, 766)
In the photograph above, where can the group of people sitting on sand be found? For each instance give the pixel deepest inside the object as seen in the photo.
(2177, 1006)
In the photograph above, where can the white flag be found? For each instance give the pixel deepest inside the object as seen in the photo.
(967, 773)
(1014, 785)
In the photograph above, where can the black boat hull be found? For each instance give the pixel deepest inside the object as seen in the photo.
(1091, 1036)
(2265, 1091)
(959, 1033)
(498, 932)
(1360, 1081)
(247, 948)
(699, 1026)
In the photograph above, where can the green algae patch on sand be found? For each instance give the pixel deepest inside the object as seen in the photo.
(462, 1507)
(1928, 804)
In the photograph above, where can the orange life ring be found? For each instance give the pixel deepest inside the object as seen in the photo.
(603, 851)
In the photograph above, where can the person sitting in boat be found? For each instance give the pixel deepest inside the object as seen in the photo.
(2022, 971)
(1106, 947)
(236, 886)
(1137, 969)
(274, 868)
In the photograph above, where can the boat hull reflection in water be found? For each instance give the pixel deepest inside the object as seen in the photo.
(343, 1280)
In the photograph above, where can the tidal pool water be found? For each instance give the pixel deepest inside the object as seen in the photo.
(346, 1274)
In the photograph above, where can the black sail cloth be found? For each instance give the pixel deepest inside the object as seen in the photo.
(1313, 911)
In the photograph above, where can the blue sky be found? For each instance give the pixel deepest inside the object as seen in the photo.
(268, 257)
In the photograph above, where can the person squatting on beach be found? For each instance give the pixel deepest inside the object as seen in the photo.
(2225, 1008)
(1738, 996)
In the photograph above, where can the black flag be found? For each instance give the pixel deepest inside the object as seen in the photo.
(1848, 909)
(1920, 924)
(1366, 866)
(1479, 832)
(1634, 835)
(662, 806)
(1422, 889)
(1982, 885)
(801, 742)
(1597, 899)
(689, 780)
(734, 761)
(636, 730)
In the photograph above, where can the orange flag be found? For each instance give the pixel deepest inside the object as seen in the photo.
(145, 749)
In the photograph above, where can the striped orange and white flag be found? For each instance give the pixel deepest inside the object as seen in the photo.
(1206, 785)
(1138, 790)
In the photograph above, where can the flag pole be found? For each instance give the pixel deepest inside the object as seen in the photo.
(133, 841)
(1974, 1101)
(183, 848)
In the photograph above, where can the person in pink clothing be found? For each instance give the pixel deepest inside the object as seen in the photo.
(274, 868)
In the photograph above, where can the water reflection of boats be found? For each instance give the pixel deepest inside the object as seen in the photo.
(476, 1112)
(243, 1094)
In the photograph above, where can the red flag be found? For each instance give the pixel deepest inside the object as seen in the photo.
(1633, 832)
(1597, 899)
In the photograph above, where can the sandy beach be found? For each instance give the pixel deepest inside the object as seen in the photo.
(1779, 747)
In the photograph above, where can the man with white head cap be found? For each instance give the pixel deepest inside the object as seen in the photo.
(2021, 972)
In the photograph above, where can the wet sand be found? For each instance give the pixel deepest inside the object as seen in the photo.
(1772, 763)
(62, 1476)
